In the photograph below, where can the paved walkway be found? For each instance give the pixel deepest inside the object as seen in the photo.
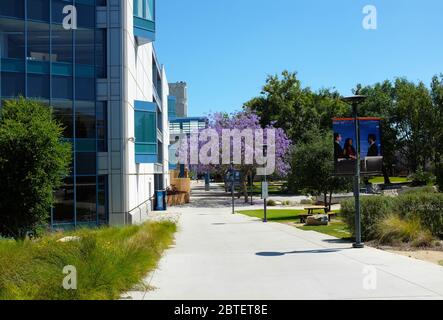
(223, 256)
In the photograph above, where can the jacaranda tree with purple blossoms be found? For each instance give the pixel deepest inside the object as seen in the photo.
(239, 125)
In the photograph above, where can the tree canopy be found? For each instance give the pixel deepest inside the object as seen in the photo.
(33, 161)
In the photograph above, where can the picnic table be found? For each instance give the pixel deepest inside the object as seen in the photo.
(311, 210)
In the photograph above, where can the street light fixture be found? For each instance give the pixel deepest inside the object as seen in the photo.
(354, 101)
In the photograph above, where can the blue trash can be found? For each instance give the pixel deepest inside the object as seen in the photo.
(160, 200)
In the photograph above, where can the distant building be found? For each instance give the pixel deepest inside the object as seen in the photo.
(179, 90)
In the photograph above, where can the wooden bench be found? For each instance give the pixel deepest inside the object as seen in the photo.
(311, 213)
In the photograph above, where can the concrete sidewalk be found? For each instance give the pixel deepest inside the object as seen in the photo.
(223, 256)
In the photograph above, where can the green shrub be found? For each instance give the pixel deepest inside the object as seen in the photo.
(394, 230)
(373, 209)
(286, 203)
(34, 160)
(306, 201)
(271, 203)
(425, 189)
(109, 262)
(421, 178)
(425, 206)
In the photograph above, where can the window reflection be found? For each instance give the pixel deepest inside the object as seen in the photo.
(12, 8)
(13, 84)
(61, 44)
(12, 39)
(38, 42)
(63, 113)
(85, 120)
(86, 199)
(102, 199)
(38, 86)
(102, 117)
(61, 87)
(63, 211)
(85, 163)
(38, 10)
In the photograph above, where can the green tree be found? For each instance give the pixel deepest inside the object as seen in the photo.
(380, 103)
(297, 110)
(437, 128)
(33, 162)
(313, 166)
(414, 120)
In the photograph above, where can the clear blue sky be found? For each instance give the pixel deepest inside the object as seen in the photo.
(224, 49)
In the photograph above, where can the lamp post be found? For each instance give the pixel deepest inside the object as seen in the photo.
(252, 188)
(232, 186)
(265, 198)
(354, 101)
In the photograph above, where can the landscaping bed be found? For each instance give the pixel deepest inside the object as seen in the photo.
(414, 218)
(336, 228)
(109, 262)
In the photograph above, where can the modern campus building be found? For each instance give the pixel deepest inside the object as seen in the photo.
(179, 93)
(104, 82)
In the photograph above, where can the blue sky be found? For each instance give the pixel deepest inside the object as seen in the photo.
(224, 49)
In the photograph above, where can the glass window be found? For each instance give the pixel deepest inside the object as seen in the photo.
(61, 44)
(38, 10)
(100, 53)
(102, 201)
(12, 8)
(38, 86)
(61, 87)
(63, 113)
(85, 163)
(38, 41)
(12, 39)
(84, 47)
(85, 16)
(85, 88)
(12, 84)
(145, 127)
(63, 211)
(86, 203)
(102, 130)
(145, 9)
(85, 126)
(85, 120)
(145, 132)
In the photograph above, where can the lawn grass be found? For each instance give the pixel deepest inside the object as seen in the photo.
(379, 180)
(109, 262)
(275, 215)
(337, 228)
(441, 263)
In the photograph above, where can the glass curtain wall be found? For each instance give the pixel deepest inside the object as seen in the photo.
(41, 59)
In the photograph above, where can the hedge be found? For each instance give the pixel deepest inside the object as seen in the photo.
(373, 209)
(425, 206)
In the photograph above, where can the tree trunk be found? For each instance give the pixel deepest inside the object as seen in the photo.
(385, 175)
(326, 198)
(245, 190)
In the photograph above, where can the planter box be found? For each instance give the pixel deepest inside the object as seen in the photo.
(178, 199)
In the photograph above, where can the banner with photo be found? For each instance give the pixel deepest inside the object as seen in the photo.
(345, 146)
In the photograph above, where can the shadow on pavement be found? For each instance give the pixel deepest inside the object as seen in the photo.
(279, 254)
